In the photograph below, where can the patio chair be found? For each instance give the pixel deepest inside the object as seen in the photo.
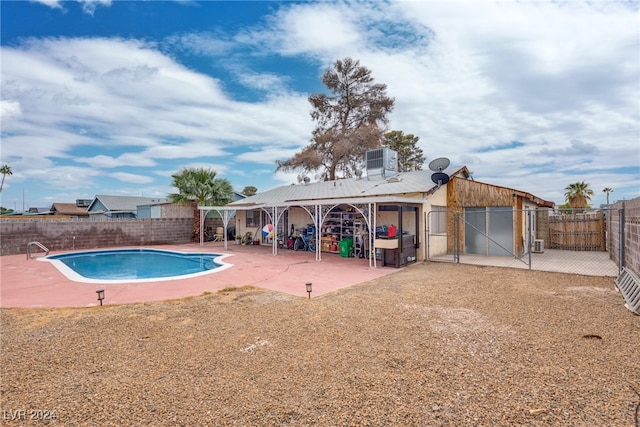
(219, 236)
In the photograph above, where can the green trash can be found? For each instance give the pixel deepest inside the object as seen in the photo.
(345, 247)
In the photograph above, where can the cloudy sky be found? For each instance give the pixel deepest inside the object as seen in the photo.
(112, 97)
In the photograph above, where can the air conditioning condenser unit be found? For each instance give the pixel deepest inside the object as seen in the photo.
(538, 246)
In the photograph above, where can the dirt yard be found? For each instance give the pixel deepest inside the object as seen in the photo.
(430, 345)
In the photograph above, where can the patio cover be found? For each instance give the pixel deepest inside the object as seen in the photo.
(317, 210)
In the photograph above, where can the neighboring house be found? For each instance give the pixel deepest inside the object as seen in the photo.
(164, 209)
(38, 211)
(73, 210)
(385, 215)
(121, 206)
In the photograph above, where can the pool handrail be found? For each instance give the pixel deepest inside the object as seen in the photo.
(40, 245)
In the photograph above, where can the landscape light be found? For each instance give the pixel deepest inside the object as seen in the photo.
(308, 285)
(100, 295)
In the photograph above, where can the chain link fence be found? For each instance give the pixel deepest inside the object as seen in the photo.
(597, 242)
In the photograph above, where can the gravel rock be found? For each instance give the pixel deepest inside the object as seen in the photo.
(429, 345)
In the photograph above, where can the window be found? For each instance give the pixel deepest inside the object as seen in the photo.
(253, 218)
(438, 220)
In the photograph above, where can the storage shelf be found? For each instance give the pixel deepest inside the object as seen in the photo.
(338, 226)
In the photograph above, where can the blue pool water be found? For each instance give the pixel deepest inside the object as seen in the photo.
(134, 265)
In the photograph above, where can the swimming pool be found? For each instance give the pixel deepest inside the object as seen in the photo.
(135, 265)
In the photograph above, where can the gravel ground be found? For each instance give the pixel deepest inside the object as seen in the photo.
(430, 345)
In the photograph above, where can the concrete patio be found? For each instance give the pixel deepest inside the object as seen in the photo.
(34, 283)
(553, 260)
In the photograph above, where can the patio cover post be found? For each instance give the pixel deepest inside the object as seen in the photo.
(274, 221)
(225, 213)
(202, 217)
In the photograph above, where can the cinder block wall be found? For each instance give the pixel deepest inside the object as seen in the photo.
(86, 234)
(631, 239)
(542, 224)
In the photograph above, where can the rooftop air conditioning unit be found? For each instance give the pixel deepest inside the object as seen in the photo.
(538, 246)
(380, 161)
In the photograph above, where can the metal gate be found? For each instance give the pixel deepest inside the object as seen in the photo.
(521, 239)
(480, 232)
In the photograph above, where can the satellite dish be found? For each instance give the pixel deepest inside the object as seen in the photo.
(358, 173)
(439, 164)
(307, 179)
(439, 178)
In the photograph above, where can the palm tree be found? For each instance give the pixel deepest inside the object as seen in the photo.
(199, 186)
(608, 190)
(578, 195)
(5, 170)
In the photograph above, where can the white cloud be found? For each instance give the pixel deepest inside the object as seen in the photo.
(132, 178)
(305, 29)
(88, 6)
(151, 98)
(51, 3)
(9, 110)
(209, 44)
(466, 77)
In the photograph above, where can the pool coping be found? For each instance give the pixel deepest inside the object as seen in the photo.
(31, 284)
(73, 275)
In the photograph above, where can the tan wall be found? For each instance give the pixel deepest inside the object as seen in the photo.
(435, 246)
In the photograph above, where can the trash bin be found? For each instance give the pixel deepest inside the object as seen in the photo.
(345, 247)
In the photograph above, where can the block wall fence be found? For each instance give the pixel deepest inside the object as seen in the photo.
(628, 243)
(64, 235)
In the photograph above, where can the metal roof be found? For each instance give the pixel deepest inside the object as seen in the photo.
(404, 187)
(127, 203)
(391, 189)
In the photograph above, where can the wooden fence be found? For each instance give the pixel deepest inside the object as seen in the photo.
(577, 232)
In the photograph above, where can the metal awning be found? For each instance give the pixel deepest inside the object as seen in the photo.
(314, 208)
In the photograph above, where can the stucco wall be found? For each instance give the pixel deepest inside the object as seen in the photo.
(90, 234)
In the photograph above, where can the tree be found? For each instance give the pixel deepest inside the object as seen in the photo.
(608, 190)
(578, 195)
(410, 156)
(350, 122)
(199, 186)
(250, 190)
(5, 170)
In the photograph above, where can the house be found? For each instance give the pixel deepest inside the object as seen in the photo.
(394, 217)
(164, 209)
(38, 211)
(120, 206)
(73, 210)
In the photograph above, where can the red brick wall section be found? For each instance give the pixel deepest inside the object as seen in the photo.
(91, 234)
